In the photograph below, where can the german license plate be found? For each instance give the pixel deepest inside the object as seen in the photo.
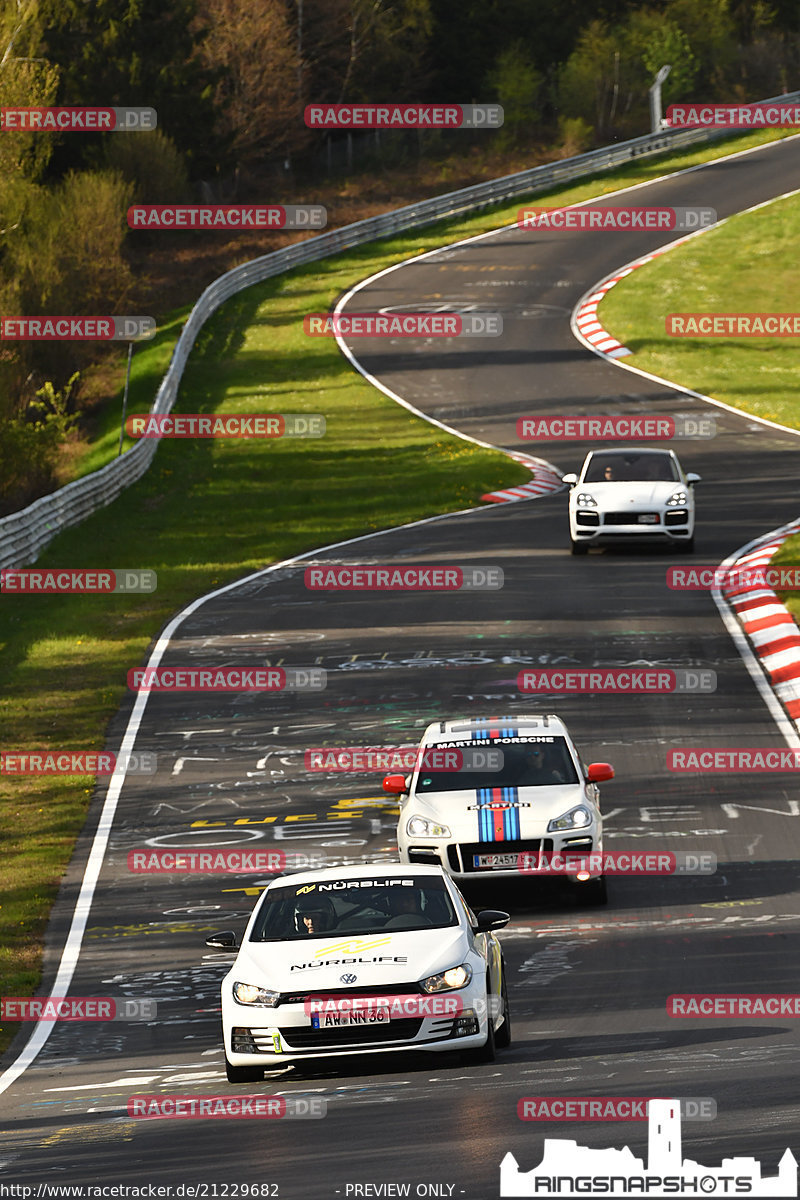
(497, 861)
(333, 1020)
(648, 518)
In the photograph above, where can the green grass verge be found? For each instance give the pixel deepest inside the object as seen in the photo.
(748, 265)
(209, 512)
(789, 555)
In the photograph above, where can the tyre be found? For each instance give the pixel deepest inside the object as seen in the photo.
(243, 1074)
(502, 1039)
(579, 547)
(593, 893)
(688, 546)
(486, 1052)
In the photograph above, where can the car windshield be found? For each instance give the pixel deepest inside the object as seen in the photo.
(298, 912)
(536, 762)
(613, 467)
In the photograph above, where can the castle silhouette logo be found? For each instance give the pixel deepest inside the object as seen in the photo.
(568, 1169)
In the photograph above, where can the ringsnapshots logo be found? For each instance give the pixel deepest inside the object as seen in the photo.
(175, 1107)
(625, 680)
(76, 762)
(77, 329)
(76, 1008)
(227, 679)
(615, 219)
(705, 324)
(614, 428)
(403, 116)
(403, 325)
(58, 581)
(734, 116)
(80, 119)
(393, 578)
(608, 1108)
(360, 759)
(783, 578)
(616, 862)
(227, 216)
(720, 760)
(226, 425)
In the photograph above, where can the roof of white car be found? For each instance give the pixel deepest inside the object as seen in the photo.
(373, 870)
(480, 728)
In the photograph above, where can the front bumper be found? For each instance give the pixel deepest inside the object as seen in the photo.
(256, 1036)
(673, 524)
(458, 858)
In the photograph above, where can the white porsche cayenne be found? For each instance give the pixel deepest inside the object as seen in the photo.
(362, 960)
(505, 817)
(629, 493)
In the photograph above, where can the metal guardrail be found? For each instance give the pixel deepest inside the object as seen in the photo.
(25, 533)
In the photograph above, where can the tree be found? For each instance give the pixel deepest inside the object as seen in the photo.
(517, 85)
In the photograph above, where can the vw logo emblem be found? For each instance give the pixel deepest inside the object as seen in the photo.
(348, 978)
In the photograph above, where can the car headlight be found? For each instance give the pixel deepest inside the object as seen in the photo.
(248, 993)
(448, 981)
(586, 500)
(678, 498)
(422, 827)
(576, 818)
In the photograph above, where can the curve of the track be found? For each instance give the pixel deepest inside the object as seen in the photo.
(588, 988)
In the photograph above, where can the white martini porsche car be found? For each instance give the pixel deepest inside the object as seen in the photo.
(502, 822)
(362, 960)
(631, 493)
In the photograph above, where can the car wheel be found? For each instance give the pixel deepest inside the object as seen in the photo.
(486, 1052)
(593, 893)
(579, 547)
(502, 1039)
(688, 546)
(243, 1074)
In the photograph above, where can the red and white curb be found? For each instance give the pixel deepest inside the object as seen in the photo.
(586, 326)
(770, 627)
(546, 479)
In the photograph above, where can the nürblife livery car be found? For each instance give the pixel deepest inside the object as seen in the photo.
(631, 493)
(362, 960)
(500, 822)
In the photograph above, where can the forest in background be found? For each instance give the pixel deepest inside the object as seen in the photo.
(230, 79)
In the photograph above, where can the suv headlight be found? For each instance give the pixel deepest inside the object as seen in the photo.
(422, 827)
(586, 500)
(248, 993)
(448, 981)
(678, 498)
(576, 818)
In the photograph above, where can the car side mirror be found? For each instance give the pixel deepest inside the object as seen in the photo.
(222, 941)
(491, 918)
(570, 479)
(599, 772)
(397, 785)
(692, 479)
